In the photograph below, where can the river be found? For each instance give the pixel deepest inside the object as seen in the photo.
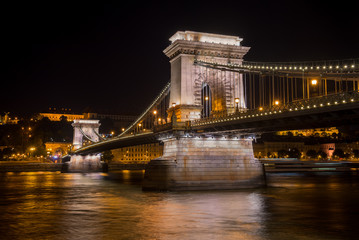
(53, 205)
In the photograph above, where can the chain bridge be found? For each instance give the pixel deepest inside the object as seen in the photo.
(216, 103)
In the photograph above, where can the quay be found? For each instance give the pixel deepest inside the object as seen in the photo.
(14, 166)
(293, 165)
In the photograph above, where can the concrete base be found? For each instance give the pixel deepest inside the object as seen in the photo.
(204, 164)
(88, 163)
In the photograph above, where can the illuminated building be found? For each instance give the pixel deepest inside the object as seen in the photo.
(57, 148)
(138, 154)
(8, 120)
(317, 132)
(55, 114)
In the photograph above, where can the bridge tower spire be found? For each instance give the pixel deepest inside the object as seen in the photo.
(188, 79)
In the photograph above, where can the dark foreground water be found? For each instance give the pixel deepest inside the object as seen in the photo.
(113, 206)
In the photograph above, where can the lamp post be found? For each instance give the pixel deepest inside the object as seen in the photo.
(276, 102)
(32, 149)
(155, 114)
(314, 83)
(236, 100)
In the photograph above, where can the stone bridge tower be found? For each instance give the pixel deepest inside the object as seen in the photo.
(188, 79)
(85, 130)
(195, 161)
(88, 129)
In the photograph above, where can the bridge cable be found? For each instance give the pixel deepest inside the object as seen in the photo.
(158, 99)
(87, 137)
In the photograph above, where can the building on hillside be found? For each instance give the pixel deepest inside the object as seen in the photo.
(6, 119)
(317, 132)
(56, 114)
(271, 149)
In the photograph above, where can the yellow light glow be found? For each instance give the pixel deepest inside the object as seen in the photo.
(276, 102)
(314, 82)
(236, 100)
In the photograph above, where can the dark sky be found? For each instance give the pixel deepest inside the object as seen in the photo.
(109, 56)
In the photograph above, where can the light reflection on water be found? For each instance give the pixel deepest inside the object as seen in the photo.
(113, 206)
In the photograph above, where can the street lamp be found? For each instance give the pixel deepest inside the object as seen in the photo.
(32, 149)
(314, 83)
(236, 100)
(276, 102)
(155, 114)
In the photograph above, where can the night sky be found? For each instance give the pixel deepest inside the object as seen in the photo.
(109, 56)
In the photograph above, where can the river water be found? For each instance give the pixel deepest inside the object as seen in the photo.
(53, 205)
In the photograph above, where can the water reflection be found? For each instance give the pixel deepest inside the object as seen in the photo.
(113, 206)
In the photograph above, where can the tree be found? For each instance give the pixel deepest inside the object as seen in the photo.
(339, 153)
(322, 155)
(356, 153)
(107, 156)
(294, 153)
(311, 153)
(282, 153)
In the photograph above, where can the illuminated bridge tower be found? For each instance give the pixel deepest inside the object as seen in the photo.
(194, 87)
(195, 161)
(88, 129)
(85, 130)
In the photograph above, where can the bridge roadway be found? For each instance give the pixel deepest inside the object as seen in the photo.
(335, 110)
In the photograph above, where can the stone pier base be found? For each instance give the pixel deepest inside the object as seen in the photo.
(204, 164)
(88, 163)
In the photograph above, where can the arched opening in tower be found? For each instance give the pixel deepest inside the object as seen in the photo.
(206, 98)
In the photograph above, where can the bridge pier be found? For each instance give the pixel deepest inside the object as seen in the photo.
(87, 163)
(204, 163)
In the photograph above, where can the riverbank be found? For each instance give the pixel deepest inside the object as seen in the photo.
(28, 166)
(15, 166)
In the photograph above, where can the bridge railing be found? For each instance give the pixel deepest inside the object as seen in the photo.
(299, 105)
(346, 65)
(172, 126)
(327, 66)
